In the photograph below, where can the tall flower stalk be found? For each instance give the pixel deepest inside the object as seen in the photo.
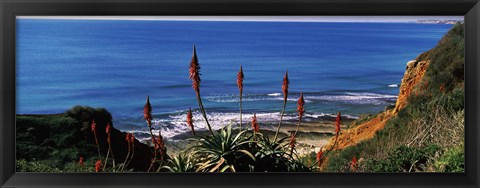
(240, 78)
(130, 145)
(160, 147)
(190, 121)
(338, 123)
(285, 84)
(132, 142)
(195, 77)
(301, 111)
(292, 143)
(108, 129)
(94, 130)
(147, 115)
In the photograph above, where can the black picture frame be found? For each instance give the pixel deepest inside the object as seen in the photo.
(9, 9)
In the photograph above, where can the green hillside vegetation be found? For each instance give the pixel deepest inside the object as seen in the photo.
(55, 143)
(428, 134)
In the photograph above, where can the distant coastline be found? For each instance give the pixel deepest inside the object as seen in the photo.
(438, 21)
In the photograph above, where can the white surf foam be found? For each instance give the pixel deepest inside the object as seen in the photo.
(274, 94)
(393, 85)
(176, 124)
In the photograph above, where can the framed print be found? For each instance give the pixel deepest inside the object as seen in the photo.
(256, 94)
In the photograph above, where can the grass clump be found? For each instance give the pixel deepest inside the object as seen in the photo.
(403, 159)
(452, 160)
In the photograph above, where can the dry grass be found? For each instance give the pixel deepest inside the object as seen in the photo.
(444, 129)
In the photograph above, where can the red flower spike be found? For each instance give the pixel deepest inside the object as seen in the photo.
(81, 161)
(98, 166)
(108, 128)
(194, 72)
(147, 111)
(255, 126)
(285, 84)
(240, 78)
(132, 138)
(190, 120)
(94, 126)
(128, 137)
(338, 122)
(300, 107)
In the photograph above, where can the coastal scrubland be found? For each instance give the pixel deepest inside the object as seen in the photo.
(423, 132)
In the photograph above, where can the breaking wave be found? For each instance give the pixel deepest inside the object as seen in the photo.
(345, 97)
(175, 124)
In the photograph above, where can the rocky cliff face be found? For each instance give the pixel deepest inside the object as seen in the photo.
(415, 70)
(413, 75)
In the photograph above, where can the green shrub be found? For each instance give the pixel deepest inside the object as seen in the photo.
(34, 166)
(403, 159)
(54, 141)
(339, 161)
(452, 160)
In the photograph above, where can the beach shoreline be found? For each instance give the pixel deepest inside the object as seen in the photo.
(311, 136)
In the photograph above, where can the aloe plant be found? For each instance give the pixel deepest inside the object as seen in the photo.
(180, 163)
(223, 151)
(271, 155)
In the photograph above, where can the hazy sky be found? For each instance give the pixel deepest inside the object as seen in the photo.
(257, 18)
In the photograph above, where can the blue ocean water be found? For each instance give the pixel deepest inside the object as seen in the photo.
(350, 67)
